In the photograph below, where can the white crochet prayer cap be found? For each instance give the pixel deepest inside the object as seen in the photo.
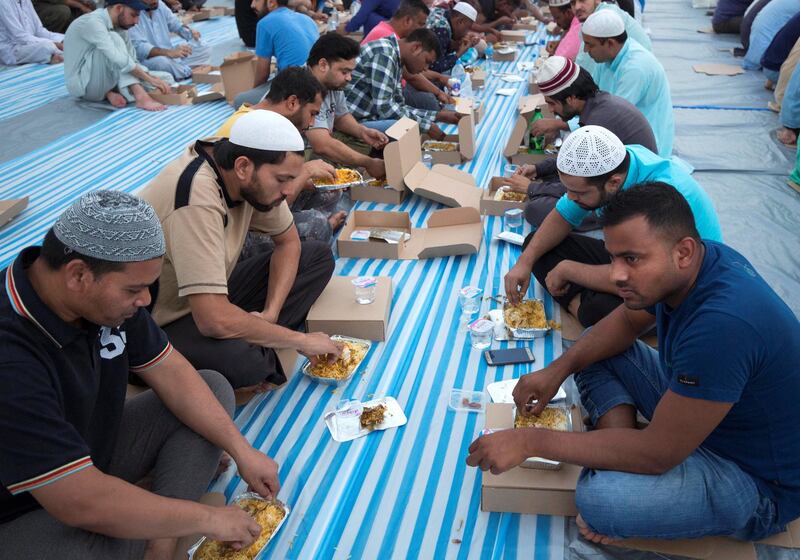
(266, 130)
(467, 10)
(603, 24)
(590, 151)
(558, 3)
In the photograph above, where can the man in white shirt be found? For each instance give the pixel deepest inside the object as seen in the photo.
(23, 38)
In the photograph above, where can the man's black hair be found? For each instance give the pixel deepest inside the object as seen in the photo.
(226, 153)
(55, 255)
(621, 38)
(663, 207)
(333, 47)
(600, 181)
(282, 3)
(411, 8)
(297, 81)
(583, 88)
(427, 39)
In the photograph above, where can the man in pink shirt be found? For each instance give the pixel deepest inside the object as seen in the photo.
(570, 42)
(410, 15)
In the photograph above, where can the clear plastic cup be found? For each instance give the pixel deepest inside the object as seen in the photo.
(364, 287)
(480, 334)
(427, 159)
(510, 170)
(470, 299)
(512, 219)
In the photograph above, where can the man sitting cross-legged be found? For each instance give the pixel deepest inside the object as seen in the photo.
(720, 453)
(73, 324)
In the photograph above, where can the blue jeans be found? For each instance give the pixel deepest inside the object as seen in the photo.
(379, 125)
(704, 495)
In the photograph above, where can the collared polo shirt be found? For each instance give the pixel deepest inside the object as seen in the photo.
(62, 388)
(205, 232)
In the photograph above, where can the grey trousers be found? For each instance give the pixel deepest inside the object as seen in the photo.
(252, 96)
(420, 99)
(151, 441)
(179, 68)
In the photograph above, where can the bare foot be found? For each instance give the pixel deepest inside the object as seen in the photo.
(149, 104)
(336, 220)
(116, 99)
(590, 535)
(224, 462)
(787, 136)
(56, 59)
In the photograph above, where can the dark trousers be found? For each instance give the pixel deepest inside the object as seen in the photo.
(587, 250)
(246, 21)
(544, 195)
(151, 441)
(244, 364)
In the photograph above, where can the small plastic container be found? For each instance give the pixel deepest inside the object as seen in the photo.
(512, 219)
(364, 287)
(464, 400)
(480, 334)
(348, 418)
(427, 160)
(470, 299)
(510, 170)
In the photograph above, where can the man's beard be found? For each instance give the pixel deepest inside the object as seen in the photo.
(253, 201)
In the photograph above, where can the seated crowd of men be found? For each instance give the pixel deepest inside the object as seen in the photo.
(191, 287)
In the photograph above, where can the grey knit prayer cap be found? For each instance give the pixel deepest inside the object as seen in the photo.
(111, 226)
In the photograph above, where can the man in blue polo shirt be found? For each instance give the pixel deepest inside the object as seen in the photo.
(283, 33)
(73, 325)
(720, 453)
(594, 165)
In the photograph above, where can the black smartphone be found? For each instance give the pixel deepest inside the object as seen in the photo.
(506, 356)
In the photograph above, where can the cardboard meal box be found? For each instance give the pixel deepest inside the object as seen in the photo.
(230, 11)
(525, 26)
(405, 170)
(10, 208)
(546, 492)
(478, 79)
(336, 310)
(527, 105)
(201, 15)
(493, 207)
(180, 95)
(514, 35)
(216, 11)
(533, 87)
(465, 138)
(502, 54)
(466, 105)
(452, 231)
(206, 74)
(217, 91)
(238, 73)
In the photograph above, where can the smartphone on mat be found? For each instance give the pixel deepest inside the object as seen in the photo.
(506, 356)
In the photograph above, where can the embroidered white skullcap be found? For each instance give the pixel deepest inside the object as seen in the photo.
(603, 24)
(590, 151)
(558, 3)
(266, 130)
(467, 10)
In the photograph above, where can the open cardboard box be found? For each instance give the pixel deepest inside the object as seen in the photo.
(200, 15)
(478, 79)
(533, 87)
(452, 231)
(494, 207)
(505, 56)
(238, 73)
(525, 26)
(10, 208)
(206, 74)
(188, 95)
(404, 169)
(336, 310)
(545, 492)
(465, 138)
(466, 105)
(527, 105)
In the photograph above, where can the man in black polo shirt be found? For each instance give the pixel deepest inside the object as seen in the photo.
(72, 326)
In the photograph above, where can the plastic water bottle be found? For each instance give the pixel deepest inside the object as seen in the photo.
(466, 86)
(457, 75)
(469, 56)
(333, 21)
(489, 52)
(354, 7)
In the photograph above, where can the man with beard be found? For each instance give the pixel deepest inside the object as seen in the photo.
(571, 93)
(452, 29)
(221, 312)
(720, 453)
(570, 42)
(594, 165)
(100, 61)
(332, 61)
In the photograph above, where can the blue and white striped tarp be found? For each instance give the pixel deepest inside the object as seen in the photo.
(402, 493)
(407, 492)
(32, 86)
